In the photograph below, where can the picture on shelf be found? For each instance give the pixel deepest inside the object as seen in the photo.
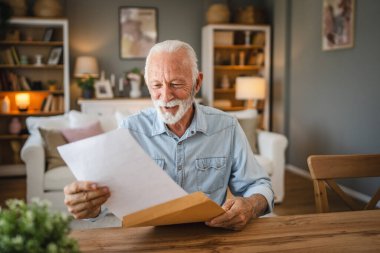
(55, 56)
(103, 89)
(48, 35)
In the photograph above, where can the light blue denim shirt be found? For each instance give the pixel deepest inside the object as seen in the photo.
(212, 155)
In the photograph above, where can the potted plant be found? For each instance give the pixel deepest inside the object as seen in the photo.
(87, 86)
(33, 228)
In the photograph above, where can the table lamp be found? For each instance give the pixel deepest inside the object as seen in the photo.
(250, 88)
(86, 69)
(22, 101)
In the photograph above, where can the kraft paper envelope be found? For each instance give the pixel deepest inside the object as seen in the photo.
(195, 207)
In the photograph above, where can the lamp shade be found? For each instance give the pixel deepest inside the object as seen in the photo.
(250, 87)
(22, 101)
(86, 66)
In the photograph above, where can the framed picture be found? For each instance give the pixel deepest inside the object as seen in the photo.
(48, 35)
(55, 56)
(338, 24)
(138, 31)
(103, 89)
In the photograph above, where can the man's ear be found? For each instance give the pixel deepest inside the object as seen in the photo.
(198, 85)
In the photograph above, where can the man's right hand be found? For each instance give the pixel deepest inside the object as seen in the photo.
(84, 199)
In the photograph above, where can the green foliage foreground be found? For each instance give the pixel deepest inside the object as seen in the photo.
(34, 228)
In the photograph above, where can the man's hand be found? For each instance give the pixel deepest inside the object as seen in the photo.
(239, 211)
(84, 199)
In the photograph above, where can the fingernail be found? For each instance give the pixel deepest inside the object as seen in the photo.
(105, 189)
(93, 186)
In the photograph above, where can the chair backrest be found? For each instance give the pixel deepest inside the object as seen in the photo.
(324, 169)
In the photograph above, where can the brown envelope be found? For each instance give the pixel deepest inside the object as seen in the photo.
(195, 207)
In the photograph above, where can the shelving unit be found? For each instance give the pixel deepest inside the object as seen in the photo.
(229, 51)
(30, 42)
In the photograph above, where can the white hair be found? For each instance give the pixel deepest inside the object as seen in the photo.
(171, 46)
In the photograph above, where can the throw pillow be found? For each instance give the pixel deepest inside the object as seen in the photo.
(249, 127)
(52, 139)
(76, 134)
(79, 119)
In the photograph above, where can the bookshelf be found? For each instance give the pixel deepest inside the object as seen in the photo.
(230, 51)
(46, 83)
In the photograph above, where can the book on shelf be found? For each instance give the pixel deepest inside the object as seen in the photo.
(15, 56)
(48, 103)
(52, 103)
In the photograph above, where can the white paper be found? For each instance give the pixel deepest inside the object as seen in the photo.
(116, 160)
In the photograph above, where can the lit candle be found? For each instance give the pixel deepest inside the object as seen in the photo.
(22, 101)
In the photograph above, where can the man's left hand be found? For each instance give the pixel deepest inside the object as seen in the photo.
(239, 211)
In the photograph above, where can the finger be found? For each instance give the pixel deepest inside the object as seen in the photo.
(87, 214)
(229, 224)
(223, 218)
(74, 199)
(228, 204)
(90, 205)
(79, 186)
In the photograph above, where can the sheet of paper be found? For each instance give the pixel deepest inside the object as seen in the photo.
(116, 160)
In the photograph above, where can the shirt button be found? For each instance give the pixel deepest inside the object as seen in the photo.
(192, 132)
(180, 167)
(180, 143)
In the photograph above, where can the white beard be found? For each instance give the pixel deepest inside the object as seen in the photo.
(167, 117)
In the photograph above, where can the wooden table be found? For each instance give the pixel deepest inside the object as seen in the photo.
(329, 232)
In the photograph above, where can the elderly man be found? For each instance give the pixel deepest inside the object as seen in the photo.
(201, 148)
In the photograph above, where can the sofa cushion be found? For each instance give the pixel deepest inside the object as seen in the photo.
(78, 119)
(265, 163)
(52, 139)
(76, 134)
(57, 178)
(248, 122)
(51, 122)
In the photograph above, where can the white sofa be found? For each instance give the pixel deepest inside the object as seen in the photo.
(49, 184)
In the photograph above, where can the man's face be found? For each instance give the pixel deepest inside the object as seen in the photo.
(170, 85)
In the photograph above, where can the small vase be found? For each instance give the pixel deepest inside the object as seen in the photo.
(15, 126)
(135, 89)
(87, 93)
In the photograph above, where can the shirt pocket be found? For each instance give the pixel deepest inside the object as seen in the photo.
(160, 163)
(211, 173)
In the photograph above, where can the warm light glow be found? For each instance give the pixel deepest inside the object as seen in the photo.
(86, 66)
(22, 101)
(250, 87)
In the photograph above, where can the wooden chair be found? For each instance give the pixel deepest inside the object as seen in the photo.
(325, 168)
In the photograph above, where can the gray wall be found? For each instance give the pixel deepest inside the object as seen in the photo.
(94, 30)
(332, 98)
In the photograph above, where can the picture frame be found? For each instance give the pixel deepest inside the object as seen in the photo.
(103, 89)
(338, 17)
(55, 56)
(138, 31)
(48, 34)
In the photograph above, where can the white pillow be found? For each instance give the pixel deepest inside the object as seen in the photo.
(120, 116)
(79, 119)
(51, 122)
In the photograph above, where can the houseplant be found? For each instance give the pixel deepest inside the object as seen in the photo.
(33, 228)
(87, 86)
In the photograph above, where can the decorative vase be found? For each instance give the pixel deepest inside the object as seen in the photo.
(218, 14)
(135, 89)
(88, 93)
(15, 126)
(47, 8)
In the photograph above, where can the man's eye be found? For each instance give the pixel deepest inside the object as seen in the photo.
(176, 85)
(156, 86)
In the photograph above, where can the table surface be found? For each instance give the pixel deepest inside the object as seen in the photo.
(329, 232)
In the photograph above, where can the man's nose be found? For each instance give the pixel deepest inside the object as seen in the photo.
(166, 94)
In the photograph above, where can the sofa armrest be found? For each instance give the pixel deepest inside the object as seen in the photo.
(33, 155)
(272, 146)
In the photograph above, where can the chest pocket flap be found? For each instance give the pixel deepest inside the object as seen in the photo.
(211, 173)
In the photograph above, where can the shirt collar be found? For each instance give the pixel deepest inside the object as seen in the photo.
(198, 123)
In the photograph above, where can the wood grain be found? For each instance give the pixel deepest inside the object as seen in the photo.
(328, 232)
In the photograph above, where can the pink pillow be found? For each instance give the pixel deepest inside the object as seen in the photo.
(76, 134)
